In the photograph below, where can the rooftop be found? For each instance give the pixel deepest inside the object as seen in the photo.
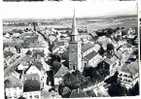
(131, 68)
(36, 64)
(91, 55)
(12, 82)
(62, 71)
(87, 46)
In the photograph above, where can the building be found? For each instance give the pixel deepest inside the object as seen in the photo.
(13, 87)
(35, 72)
(32, 94)
(82, 54)
(34, 81)
(75, 56)
(59, 74)
(129, 74)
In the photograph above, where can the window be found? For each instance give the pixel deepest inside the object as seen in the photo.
(120, 78)
(120, 74)
(85, 64)
(36, 96)
(126, 80)
(125, 75)
(129, 80)
(74, 68)
(30, 97)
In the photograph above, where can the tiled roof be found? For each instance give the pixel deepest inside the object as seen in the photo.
(37, 64)
(27, 34)
(61, 72)
(31, 75)
(87, 46)
(12, 82)
(131, 68)
(111, 61)
(90, 55)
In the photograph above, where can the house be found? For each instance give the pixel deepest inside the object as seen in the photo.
(103, 40)
(59, 74)
(85, 36)
(93, 59)
(34, 81)
(35, 72)
(13, 87)
(129, 74)
(32, 93)
(114, 64)
(32, 89)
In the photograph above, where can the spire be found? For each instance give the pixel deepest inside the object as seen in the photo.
(74, 28)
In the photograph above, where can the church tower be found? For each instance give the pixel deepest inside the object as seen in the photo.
(75, 57)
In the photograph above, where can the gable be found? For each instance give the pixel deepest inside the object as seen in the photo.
(62, 71)
(33, 69)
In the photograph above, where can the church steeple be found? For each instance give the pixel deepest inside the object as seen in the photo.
(74, 34)
(75, 57)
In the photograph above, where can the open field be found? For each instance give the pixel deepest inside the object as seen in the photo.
(92, 24)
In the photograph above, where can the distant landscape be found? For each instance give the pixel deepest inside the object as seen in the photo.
(91, 23)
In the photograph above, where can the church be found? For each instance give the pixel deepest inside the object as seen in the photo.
(82, 55)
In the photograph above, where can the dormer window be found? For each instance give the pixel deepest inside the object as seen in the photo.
(74, 67)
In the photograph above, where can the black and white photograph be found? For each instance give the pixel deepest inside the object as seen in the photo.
(84, 51)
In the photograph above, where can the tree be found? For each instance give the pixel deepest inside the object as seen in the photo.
(51, 45)
(65, 57)
(109, 32)
(112, 79)
(18, 49)
(64, 91)
(115, 88)
(53, 57)
(101, 51)
(8, 53)
(6, 83)
(72, 81)
(98, 73)
(77, 93)
(135, 90)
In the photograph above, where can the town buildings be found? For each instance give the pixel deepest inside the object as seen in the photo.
(83, 50)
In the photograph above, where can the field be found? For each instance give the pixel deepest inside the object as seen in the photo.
(92, 24)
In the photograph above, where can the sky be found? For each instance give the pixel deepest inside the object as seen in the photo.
(65, 9)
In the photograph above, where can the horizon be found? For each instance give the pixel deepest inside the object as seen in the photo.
(67, 18)
(65, 10)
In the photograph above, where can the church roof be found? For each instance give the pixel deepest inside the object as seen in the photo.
(87, 46)
(90, 55)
